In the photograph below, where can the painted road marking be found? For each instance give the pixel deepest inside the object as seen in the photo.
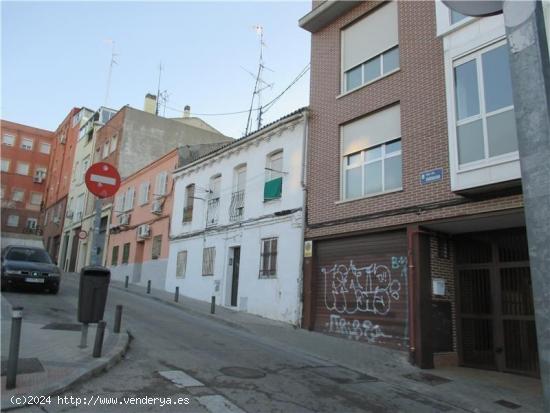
(180, 378)
(102, 179)
(218, 404)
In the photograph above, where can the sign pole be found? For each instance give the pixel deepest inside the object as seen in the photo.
(95, 238)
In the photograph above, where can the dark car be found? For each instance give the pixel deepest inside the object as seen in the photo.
(29, 266)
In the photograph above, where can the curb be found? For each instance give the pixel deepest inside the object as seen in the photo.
(97, 367)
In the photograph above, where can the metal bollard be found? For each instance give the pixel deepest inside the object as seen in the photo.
(126, 281)
(118, 319)
(84, 336)
(15, 339)
(149, 287)
(177, 294)
(213, 305)
(98, 344)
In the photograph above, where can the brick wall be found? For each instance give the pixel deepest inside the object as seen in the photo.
(419, 87)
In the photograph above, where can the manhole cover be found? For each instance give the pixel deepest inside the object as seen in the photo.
(427, 378)
(242, 372)
(24, 366)
(63, 326)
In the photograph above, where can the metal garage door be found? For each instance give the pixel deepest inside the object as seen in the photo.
(361, 288)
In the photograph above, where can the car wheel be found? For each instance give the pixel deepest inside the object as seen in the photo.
(54, 290)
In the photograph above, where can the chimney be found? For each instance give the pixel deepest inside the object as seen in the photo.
(150, 104)
(186, 111)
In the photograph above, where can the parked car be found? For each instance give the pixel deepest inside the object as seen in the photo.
(23, 265)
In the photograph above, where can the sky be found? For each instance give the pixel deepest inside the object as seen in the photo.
(56, 55)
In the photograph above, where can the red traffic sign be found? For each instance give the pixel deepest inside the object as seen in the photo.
(102, 179)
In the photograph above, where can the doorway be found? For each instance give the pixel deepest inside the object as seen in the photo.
(74, 250)
(495, 302)
(235, 276)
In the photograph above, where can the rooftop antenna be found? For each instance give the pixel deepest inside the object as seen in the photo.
(257, 89)
(113, 62)
(158, 90)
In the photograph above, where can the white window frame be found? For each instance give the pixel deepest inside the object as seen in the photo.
(33, 194)
(17, 171)
(262, 244)
(6, 138)
(363, 163)
(181, 264)
(41, 171)
(10, 221)
(114, 142)
(161, 184)
(271, 172)
(20, 198)
(45, 148)
(84, 165)
(105, 151)
(24, 144)
(129, 199)
(144, 192)
(208, 253)
(33, 222)
(487, 160)
(363, 64)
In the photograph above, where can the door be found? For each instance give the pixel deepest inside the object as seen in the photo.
(495, 301)
(235, 276)
(74, 250)
(138, 262)
(64, 252)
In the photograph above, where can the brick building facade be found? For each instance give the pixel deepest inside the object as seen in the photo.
(26, 155)
(390, 211)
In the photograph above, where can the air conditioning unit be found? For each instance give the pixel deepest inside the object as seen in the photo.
(124, 219)
(56, 219)
(144, 231)
(70, 214)
(156, 207)
(38, 179)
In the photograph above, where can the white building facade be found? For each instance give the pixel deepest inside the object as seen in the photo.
(237, 223)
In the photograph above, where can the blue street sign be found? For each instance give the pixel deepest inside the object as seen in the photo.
(434, 175)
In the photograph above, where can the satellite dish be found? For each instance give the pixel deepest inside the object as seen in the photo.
(476, 8)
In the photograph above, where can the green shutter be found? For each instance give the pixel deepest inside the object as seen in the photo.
(273, 189)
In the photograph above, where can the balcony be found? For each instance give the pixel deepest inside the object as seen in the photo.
(236, 209)
(212, 211)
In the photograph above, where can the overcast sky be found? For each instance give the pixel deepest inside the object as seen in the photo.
(55, 55)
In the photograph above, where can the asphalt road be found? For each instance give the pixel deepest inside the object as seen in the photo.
(238, 371)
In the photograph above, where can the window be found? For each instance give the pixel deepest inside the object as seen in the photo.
(189, 199)
(106, 147)
(456, 16)
(268, 258)
(364, 62)
(208, 259)
(156, 247)
(84, 168)
(22, 168)
(79, 208)
(372, 154)
(45, 148)
(119, 203)
(76, 171)
(76, 118)
(114, 140)
(40, 172)
(26, 144)
(129, 199)
(114, 255)
(236, 208)
(36, 198)
(8, 140)
(273, 176)
(213, 200)
(485, 120)
(17, 195)
(144, 193)
(181, 264)
(125, 253)
(5, 165)
(31, 223)
(13, 220)
(160, 184)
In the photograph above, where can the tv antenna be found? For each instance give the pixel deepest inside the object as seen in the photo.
(162, 97)
(112, 63)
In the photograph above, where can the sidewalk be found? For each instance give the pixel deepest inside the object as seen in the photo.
(50, 360)
(466, 389)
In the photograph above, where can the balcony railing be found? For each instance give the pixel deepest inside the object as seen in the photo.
(236, 209)
(188, 214)
(212, 211)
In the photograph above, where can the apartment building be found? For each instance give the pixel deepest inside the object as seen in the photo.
(58, 180)
(415, 213)
(237, 223)
(25, 156)
(129, 140)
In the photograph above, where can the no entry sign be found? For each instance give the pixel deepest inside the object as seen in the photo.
(102, 179)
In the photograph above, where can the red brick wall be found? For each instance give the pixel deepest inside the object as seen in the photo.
(419, 87)
(11, 179)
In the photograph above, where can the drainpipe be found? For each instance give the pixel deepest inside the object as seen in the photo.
(303, 184)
